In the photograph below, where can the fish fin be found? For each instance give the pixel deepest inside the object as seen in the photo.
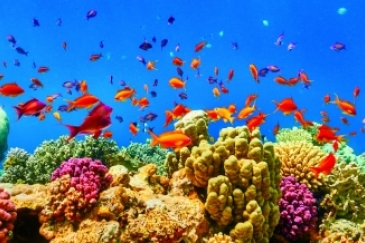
(154, 138)
(231, 119)
(341, 139)
(74, 130)
(277, 105)
(97, 134)
(18, 111)
(315, 171)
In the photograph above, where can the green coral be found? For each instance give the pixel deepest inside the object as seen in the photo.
(4, 132)
(292, 135)
(141, 154)
(15, 166)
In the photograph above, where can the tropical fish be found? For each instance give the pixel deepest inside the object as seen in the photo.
(279, 40)
(254, 72)
(177, 83)
(338, 46)
(287, 106)
(84, 101)
(170, 20)
(91, 14)
(91, 125)
(173, 139)
(95, 57)
(345, 106)
(43, 69)
(32, 107)
(200, 46)
(101, 110)
(11, 89)
(124, 94)
(325, 166)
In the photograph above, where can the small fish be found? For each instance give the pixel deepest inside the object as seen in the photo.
(111, 79)
(63, 108)
(51, 98)
(64, 45)
(101, 44)
(122, 83)
(91, 14)
(325, 166)
(212, 80)
(254, 72)
(119, 119)
(17, 63)
(338, 46)
(57, 115)
(170, 139)
(345, 106)
(154, 39)
(344, 121)
(183, 96)
(326, 98)
(200, 46)
(155, 82)
(43, 69)
(195, 63)
(151, 65)
(21, 51)
(276, 129)
(133, 128)
(356, 92)
(32, 107)
(177, 47)
(12, 40)
(95, 57)
(273, 68)
(5, 65)
(11, 89)
(234, 45)
(177, 61)
(142, 60)
(153, 94)
(107, 134)
(291, 46)
(34, 65)
(170, 20)
(36, 82)
(164, 43)
(180, 72)
(230, 74)
(35, 22)
(145, 46)
(59, 22)
(279, 40)
(150, 116)
(263, 72)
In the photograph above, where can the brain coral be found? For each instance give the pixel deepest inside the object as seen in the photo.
(296, 158)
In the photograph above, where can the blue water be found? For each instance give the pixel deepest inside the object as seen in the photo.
(123, 26)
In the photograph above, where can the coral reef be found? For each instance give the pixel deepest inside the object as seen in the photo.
(220, 238)
(7, 216)
(344, 231)
(293, 135)
(345, 154)
(296, 158)
(4, 132)
(75, 189)
(137, 155)
(15, 166)
(298, 210)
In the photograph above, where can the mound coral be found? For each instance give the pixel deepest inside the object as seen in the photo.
(7, 216)
(293, 135)
(298, 210)
(296, 158)
(75, 189)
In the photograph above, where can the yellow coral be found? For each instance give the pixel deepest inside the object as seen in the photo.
(293, 135)
(220, 238)
(296, 158)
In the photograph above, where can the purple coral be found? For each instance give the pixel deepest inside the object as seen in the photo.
(298, 210)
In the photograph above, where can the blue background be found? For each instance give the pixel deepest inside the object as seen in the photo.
(123, 26)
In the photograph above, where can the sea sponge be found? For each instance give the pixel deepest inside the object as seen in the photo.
(296, 158)
(7, 216)
(293, 135)
(15, 166)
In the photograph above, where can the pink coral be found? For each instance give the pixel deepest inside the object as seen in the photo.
(7, 216)
(81, 180)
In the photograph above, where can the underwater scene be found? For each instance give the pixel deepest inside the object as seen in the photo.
(182, 121)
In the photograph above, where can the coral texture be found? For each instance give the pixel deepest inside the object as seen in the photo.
(293, 135)
(298, 210)
(296, 158)
(15, 166)
(4, 132)
(7, 216)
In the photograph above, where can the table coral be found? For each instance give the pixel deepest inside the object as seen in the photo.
(7, 216)
(296, 158)
(298, 210)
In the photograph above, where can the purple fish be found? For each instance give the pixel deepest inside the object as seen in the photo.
(273, 68)
(34, 86)
(291, 46)
(177, 48)
(234, 45)
(338, 46)
(154, 39)
(122, 83)
(64, 108)
(91, 14)
(263, 72)
(153, 94)
(35, 23)
(170, 20)
(164, 43)
(34, 65)
(119, 119)
(197, 74)
(101, 44)
(180, 72)
(12, 40)
(69, 84)
(145, 45)
(155, 82)
(59, 22)
(142, 60)
(21, 51)
(212, 80)
(183, 96)
(150, 116)
(279, 40)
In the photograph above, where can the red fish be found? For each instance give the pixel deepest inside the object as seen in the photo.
(326, 98)
(43, 69)
(326, 134)
(345, 106)
(256, 121)
(325, 166)
(95, 57)
(287, 106)
(173, 139)
(250, 98)
(32, 107)
(298, 115)
(254, 72)
(101, 110)
(133, 128)
(11, 89)
(230, 75)
(177, 61)
(91, 125)
(200, 46)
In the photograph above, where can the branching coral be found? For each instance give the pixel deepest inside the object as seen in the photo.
(15, 166)
(293, 135)
(296, 158)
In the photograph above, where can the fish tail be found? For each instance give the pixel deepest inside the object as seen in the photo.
(341, 139)
(277, 105)
(71, 105)
(73, 132)
(18, 111)
(154, 138)
(315, 171)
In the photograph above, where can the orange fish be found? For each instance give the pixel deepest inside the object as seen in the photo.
(177, 83)
(225, 114)
(325, 165)
(212, 115)
(172, 139)
(195, 63)
(83, 86)
(246, 112)
(143, 103)
(91, 125)
(303, 76)
(230, 75)
(64, 45)
(200, 46)
(41, 117)
(133, 128)
(281, 80)
(43, 69)
(254, 72)
(256, 121)
(216, 92)
(107, 134)
(345, 106)
(177, 61)
(124, 94)
(179, 111)
(11, 89)
(293, 81)
(287, 106)
(232, 108)
(84, 101)
(36, 82)
(326, 98)
(335, 146)
(95, 57)
(32, 107)
(169, 118)
(298, 115)
(250, 98)
(151, 65)
(48, 109)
